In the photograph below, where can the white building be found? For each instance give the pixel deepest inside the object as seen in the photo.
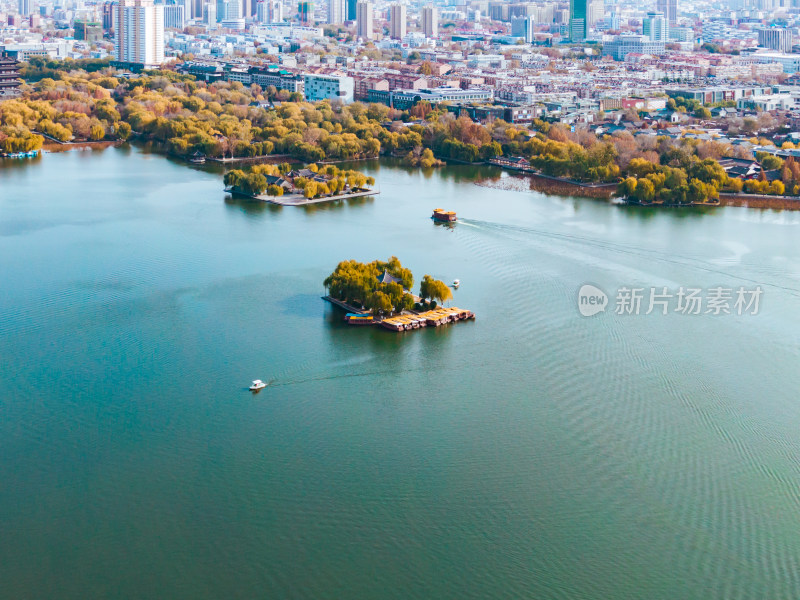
(174, 16)
(364, 18)
(331, 87)
(656, 27)
(269, 11)
(228, 9)
(337, 11)
(139, 32)
(397, 21)
(25, 7)
(774, 38)
(430, 21)
(522, 27)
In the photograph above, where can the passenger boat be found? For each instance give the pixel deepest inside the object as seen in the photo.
(443, 216)
(257, 385)
(358, 319)
(456, 283)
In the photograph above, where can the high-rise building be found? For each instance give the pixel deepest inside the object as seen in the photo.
(25, 7)
(775, 38)
(655, 27)
(305, 12)
(670, 10)
(269, 11)
(197, 10)
(174, 16)
(88, 31)
(139, 32)
(522, 27)
(108, 16)
(364, 20)
(397, 21)
(430, 21)
(228, 9)
(351, 10)
(578, 20)
(337, 11)
(209, 13)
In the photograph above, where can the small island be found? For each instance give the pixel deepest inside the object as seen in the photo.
(280, 184)
(379, 293)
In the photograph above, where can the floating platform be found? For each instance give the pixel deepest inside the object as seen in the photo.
(431, 318)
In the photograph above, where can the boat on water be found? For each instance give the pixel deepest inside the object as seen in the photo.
(198, 158)
(358, 319)
(456, 283)
(443, 216)
(257, 385)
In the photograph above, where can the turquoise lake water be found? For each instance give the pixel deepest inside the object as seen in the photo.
(533, 453)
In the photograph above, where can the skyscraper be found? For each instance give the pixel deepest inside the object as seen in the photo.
(397, 21)
(578, 20)
(25, 7)
(351, 10)
(336, 11)
(139, 32)
(364, 20)
(269, 11)
(430, 21)
(670, 10)
(305, 12)
(522, 27)
(655, 27)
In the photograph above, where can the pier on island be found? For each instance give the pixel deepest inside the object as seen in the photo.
(405, 321)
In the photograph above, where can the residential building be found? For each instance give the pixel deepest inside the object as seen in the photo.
(280, 79)
(330, 87)
(174, 16)
(139, 32)
(337, 11)
(25, 7)
(430, 21)
(397, 21)
(364, 18)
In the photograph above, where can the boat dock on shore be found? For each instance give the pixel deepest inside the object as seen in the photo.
(430, 318)
(406, 321)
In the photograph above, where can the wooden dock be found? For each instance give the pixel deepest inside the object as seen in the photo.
(430, 318)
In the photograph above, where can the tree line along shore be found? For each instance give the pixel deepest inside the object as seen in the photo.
(85, 101)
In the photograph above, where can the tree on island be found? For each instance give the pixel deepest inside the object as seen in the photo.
(367, 285)
(434, 289)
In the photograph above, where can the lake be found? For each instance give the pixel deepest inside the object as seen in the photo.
(532, 453)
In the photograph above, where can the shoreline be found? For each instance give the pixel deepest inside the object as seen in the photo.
(549, 185)
(298, 200)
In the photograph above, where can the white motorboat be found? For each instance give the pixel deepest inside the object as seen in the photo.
(456, 283)
(257, 385)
